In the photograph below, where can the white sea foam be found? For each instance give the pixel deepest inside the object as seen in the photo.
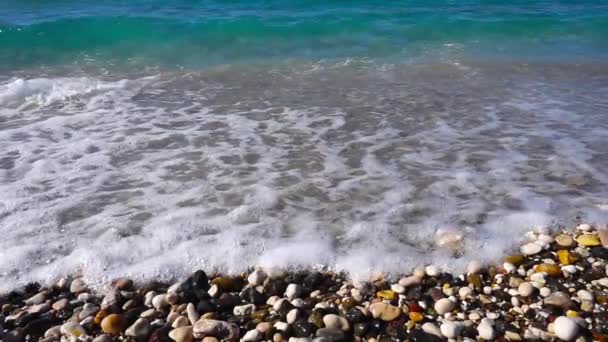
(155, 177)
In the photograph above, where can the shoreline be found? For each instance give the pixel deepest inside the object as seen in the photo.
(556, 286)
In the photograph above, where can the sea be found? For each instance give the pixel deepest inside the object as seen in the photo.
(150, 138)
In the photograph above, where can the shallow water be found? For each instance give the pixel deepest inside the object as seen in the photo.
(150, 166)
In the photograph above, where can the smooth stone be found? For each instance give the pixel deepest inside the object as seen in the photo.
(78, 285)
(210, 327)
(243, 310)
(603, 236)
(292, 316)
(303, 329)
(88, 309)
(72, 329)
(432, 329)
(252, 336)
(583, 227)
(485, 330)
(148, 298)
(139, 329)
(585, 295)
(550, 269)
(159, 302)
(588, 240)
(465, 292)
(257, 277)
(103, 338)
(263, 327)
(193, 315)
(112, 324)
(565, 328)
(182, 334)
(331, 333)
(384, 311)
(180, 321)
(410, 281)
(335, 321)
(432, 271)
(525, 289)
(559, 299)
(444, 305)
(474, 267)
(61, 304)
(37, 298)
(512, 336)
(281, 326)
(397, 288)
(386, 294)
(293, 291)
(564, 240)
(531, 248)
(451, 329)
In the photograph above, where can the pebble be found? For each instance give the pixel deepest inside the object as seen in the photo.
(583, 227)
(257, 277)
(474, 267)
(588, 240)
(525, 289)
(78, 285)
(565, 328)
(252, 336)
(451, 329)
(293, 291)
(410, 281)
(558, 299)
(564, 240)
(531, 248)
(397, 288)
(465, 292)
(112, 324)
(180, 321)
(182, 334)
(432, 329)
(193, 315)
(603, 236)
(335, 321)
(88, 309)
(159, 302)
(139, 329)
(72, 329)
(384, 311)
(432, 271)
(37, 298)
(61, 304)
(485, 330)
(444, 305)
(585, 295)
(103, 338)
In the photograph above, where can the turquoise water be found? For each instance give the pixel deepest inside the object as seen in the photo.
(194, 34)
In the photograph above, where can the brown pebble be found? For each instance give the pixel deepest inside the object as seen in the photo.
(113, 324)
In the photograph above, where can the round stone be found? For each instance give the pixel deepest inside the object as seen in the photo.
(72, 329)
(444, 305)
(585, 295)
(565, 328)
(257, 277)
(451, 329)
(78, 285)
(564, 240)
(531, 248)
(112, 324)
(485, 330)
(139, 329)
(410, 281)
(474, 267)
(293, 291)
(182, 334)
(465, 292)
(384, 311)
(525, 289)
(588, 240)
(432, 329)
(335, 321)
(252, 336)
(432, 271)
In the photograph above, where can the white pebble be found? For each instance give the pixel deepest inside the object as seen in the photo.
(565, 328)
(398, 288)
(486, 330)
(293, 291)
(585, 295)
(410, 281)
(474, 267)
(465, 292)
(531, 248)
(257, 277)
(431, 328)
(432, 270)
(584, 227)
(451, 329)
(444, 305)
(525, 289)
(509, 267)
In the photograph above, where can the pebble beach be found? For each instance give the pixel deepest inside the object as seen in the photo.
(555, 287)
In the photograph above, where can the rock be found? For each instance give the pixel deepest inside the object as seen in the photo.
(61, 304)
(588, 240)
(545, 291)
(512, 336)
(281, 326)
(293, 291)
(193, 315)
(88, 309)
(292, 316)
(444, 306)
(72, 329)
(583, 227)
(243, 310)
(585, 295)
(565, 328)
(564, 240)
(410, 281)
(182, 334)
(531, 248)
(525, 289)
(432, 329)
(282, 306)
(397, 288)
(159, 302)
(257, 277)
(139, 329)
(485, 330)
(474, 267)
(565, 257)
(78, 285)
(550, 269)
(180, 321)
(335, 321)
(465, 292)
(451, 329)
(384, 311)
(516, 259)
(37, 298)
(103, 338)
(603, 236)
(112, 324)
(263, 327)
(558, 299)
(332, 333)
(252, 336)
(123, 284)
(215, 328)
(386, 294)
(432, 271)
(449, 238)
